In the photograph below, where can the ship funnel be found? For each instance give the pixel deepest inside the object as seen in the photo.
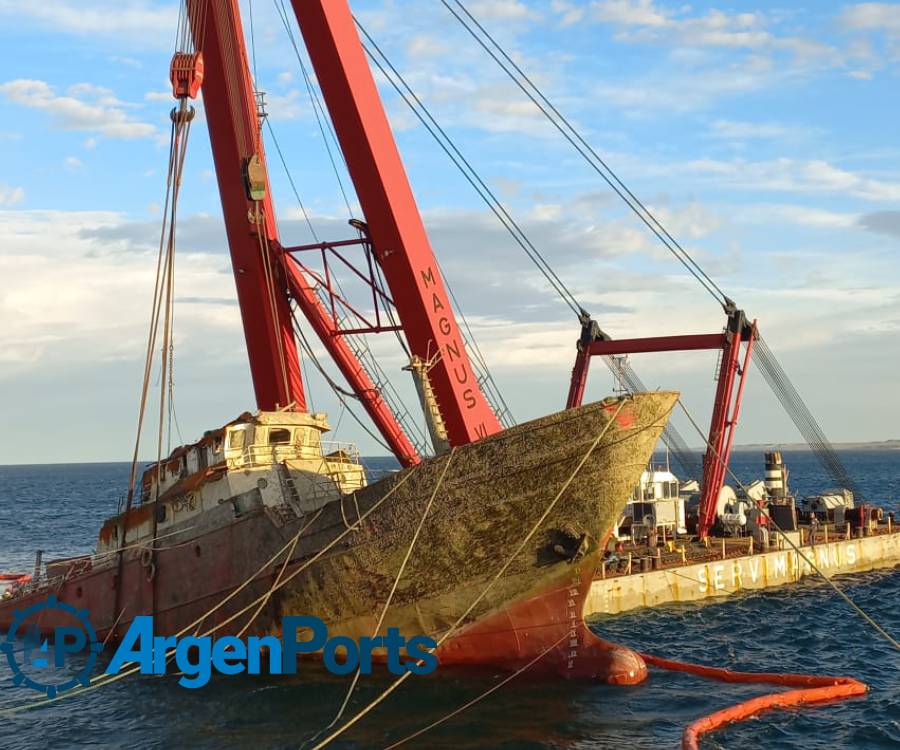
(776, 475)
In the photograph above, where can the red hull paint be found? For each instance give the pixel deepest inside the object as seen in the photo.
(550, 621)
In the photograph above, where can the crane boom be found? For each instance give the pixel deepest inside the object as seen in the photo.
(249, 223)
(266, 276)
(398, 234)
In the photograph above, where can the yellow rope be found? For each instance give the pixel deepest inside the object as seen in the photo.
(534, 529)
(479, 698)
(390, 596)
(104, 679)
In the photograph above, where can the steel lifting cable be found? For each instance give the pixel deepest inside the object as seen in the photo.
(587, 152)
(802, 417)
(465, 167)
(772, 370)
(405, 91)
(321, 116)
(163, 285)
(690, 462)
(807, 689)
(314, 101)
(341, 393)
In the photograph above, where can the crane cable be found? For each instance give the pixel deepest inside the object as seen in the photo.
(484, 191)
(504, 412)
(568, 131)
(315, 102)
(670, 435)
(163, 299)
(837, 589)
(772, 370)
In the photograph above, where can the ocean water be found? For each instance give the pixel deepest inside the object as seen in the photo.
(805, 628)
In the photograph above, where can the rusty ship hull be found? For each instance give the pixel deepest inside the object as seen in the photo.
(241, 575)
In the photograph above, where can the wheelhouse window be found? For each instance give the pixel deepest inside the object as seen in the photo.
(279, 436)
(236, 439)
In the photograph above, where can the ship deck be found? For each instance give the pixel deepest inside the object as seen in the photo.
(687, 571)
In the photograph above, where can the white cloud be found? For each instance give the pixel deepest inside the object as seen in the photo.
(808, 176)
(73, 162)
(644, 20)
(884, 17)
(159, 96)
(10, 196)
(502, 10)
(570, 13)
(94, 291)
(136, 19)
(425, 45)
(739, 130)
(630, 13)
(84, 107)
(800, 215)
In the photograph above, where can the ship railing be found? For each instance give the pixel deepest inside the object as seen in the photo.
(328, 451)
(333, 450)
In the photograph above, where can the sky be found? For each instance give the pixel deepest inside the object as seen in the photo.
(763, 135)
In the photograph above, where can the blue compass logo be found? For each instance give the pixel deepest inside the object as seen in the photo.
(38, 667)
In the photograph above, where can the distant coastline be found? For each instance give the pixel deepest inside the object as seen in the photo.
(879, 445)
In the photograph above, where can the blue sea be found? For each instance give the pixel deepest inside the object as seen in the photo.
(805, 628)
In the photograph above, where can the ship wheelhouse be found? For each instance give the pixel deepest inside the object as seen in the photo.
(271, 461)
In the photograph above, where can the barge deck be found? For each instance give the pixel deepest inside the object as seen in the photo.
(685, 571)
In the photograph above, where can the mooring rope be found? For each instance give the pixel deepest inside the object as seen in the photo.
(534, 529)
(478, 698)
(104, 679)
(390, 597)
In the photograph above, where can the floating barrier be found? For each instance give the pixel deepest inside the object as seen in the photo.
(810, 689)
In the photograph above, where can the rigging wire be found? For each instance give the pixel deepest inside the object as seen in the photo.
(670, 435)
(768, 364)
(802, 417)
(341, 393)
(320, 112)
(509, 66)
(846, 597)
(291, 181)
(465, 167)
(253, 45)
(318, 109)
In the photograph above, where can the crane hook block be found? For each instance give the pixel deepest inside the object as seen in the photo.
(186, 74)
(255, 178)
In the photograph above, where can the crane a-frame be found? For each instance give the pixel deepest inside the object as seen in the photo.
(267, 275)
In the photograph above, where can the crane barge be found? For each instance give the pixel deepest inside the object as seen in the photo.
(261, 518)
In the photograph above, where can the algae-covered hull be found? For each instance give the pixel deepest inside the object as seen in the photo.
(557, 484)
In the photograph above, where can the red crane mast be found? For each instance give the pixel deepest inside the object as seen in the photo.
(266, 275)
(395, 226)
